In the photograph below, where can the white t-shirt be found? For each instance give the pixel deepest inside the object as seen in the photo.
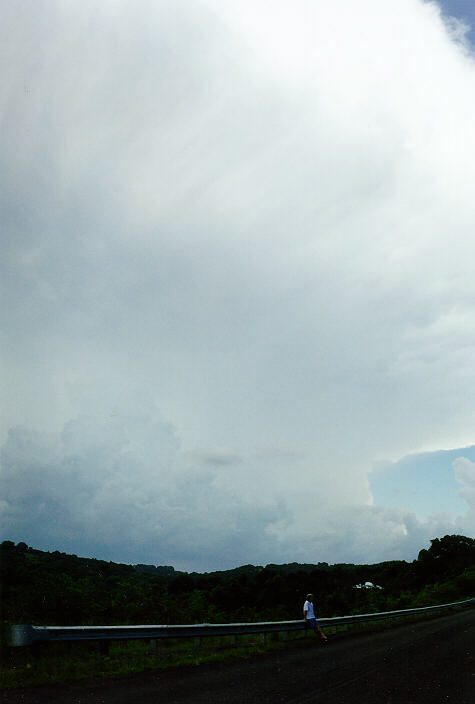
(308, 607)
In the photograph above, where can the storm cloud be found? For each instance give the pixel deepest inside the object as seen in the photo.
(237, 245)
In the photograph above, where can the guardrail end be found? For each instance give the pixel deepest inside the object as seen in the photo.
(20, 635)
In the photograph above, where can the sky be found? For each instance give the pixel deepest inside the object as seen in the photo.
(238, 303)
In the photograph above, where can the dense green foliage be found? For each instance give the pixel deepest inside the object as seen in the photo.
(59, 589)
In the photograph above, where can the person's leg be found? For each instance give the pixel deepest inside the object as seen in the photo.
(318, 630)
(322, 635)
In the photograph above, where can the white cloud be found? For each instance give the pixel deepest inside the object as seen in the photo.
(464, 471)
(259, 214)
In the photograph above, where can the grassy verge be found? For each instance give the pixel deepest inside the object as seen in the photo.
(60, 662)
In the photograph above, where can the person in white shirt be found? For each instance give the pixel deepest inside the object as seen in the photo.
(309, 617)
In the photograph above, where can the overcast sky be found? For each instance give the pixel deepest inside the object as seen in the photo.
(238, 301)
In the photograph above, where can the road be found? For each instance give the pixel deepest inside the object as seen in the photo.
(416, 663)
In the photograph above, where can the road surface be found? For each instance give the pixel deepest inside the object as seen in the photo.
(416, 663)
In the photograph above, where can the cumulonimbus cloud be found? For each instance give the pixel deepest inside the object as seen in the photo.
(262, 215)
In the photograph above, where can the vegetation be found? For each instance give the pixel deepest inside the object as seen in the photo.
(43, 588)
(58, 589)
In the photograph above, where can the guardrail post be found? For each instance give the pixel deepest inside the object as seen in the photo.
(263, 638)
(197, 641)
(285, 636)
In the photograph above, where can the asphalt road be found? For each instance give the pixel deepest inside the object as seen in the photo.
(430, 661)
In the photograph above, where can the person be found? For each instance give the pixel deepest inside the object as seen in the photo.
(309, 617)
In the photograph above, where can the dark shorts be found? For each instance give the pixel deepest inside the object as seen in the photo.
(311, 623)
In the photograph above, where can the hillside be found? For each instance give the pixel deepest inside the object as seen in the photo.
(56, 588)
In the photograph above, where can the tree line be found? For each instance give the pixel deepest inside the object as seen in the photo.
(55, 588)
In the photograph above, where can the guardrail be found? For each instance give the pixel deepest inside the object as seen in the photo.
(25, 635)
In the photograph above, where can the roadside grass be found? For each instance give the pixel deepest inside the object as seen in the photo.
(59, 662)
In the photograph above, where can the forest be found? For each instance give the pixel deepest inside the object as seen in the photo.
(54, 588)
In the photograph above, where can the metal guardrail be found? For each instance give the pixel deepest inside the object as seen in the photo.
(24, 635)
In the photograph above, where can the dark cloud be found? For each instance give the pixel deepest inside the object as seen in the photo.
(119, 487)
(216, 458)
